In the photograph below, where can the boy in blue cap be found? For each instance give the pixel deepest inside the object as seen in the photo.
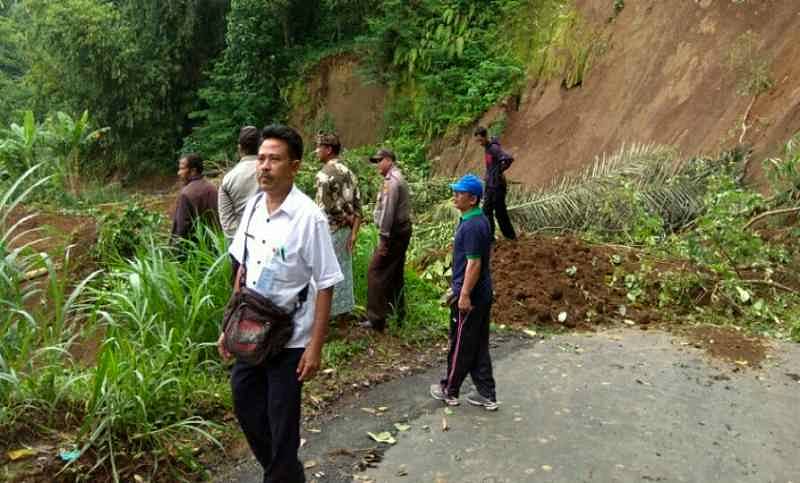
(471, 302)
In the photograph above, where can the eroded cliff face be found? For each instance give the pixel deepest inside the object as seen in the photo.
(336, 93)
(664, 78)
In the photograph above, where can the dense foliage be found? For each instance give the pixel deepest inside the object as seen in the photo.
(135, 64)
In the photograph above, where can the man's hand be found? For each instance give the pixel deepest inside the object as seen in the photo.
(223, 352)
(351, 242)
(464, 303)
(309, 364)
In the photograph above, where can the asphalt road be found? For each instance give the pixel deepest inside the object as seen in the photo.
(619, 406)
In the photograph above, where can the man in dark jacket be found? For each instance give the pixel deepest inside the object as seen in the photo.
(497, 161)
(197, 201)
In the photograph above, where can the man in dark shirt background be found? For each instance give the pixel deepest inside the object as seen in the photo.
(197, 202)
(470, 303)
(494, 200)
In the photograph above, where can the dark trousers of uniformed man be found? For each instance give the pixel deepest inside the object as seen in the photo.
(495, 203)
(266, 400)
(385, 280)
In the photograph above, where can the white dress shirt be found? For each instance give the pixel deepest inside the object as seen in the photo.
(287, 250)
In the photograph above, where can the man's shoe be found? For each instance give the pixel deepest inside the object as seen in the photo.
(370, 324)
(438, 393)
(477, 400)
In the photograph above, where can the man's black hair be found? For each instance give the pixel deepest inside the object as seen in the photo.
(194, 162)
(249, 140)
(287, 135)
(482, 132)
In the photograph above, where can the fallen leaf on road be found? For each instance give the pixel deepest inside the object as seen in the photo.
(309, 464)
(383, 437)
(529, 332)
(448, 411)
(445, 427)
(402, 471)
(19, 454)
(370, 410)
(547, 468)
(402, 427)
(303, 442)
(314, 430)
(383, 409)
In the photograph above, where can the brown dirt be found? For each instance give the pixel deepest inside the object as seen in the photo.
(534, 282)
(55, 230)
(335, 90)
(729, 344)
(533, 286)
(663, 79)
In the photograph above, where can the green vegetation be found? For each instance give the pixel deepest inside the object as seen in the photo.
(749, 65)
(697, 230)
(121, 364)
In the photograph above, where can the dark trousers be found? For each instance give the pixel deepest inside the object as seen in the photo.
(469, 352)
(385, 281)
(266, 400)
(495, 202)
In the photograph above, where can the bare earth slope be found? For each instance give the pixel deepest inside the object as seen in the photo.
(664, 78)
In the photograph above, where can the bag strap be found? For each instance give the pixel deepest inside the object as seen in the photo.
(243, 277)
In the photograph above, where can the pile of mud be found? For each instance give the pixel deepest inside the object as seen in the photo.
(561, 282)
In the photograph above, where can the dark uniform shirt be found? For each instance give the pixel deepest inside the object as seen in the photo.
(197, 202)
(473, 241)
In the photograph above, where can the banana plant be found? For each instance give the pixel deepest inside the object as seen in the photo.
(70, 138)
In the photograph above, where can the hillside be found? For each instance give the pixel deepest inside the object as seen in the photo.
(683, 73)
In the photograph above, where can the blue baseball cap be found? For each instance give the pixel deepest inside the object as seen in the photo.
(469, 183)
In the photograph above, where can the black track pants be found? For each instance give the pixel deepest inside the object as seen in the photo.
(469, 352)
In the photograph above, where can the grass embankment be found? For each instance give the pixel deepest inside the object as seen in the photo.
(121, 366)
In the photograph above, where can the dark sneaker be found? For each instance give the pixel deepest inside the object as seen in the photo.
(477, 400)
(369, 324)
(438, 393)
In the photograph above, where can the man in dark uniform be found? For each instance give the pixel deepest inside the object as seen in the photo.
(497, 162)
(385, 280)
(197, 202)
(470, 303)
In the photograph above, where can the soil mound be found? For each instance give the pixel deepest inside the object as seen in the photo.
(559, 282)
(729, 344)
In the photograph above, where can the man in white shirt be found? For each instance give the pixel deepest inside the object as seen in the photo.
(240, 183)
(289, 250)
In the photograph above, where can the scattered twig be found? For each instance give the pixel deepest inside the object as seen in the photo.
(766, 214)
(37, 273)
(772, 284)
(746, 116)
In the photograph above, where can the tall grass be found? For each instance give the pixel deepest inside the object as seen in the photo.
(426, 319)
(39, 317)
(158, 380)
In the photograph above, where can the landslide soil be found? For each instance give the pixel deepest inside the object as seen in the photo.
(561, 283)
(564, 283)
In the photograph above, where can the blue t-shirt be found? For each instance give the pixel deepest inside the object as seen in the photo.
(473, 240)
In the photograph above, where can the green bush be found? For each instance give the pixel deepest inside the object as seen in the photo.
(123, 233)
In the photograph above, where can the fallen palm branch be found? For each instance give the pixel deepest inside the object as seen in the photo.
(617, 190)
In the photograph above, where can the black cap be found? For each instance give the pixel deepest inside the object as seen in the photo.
(382, 153)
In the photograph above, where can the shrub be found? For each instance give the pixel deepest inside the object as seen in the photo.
(123, 233)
